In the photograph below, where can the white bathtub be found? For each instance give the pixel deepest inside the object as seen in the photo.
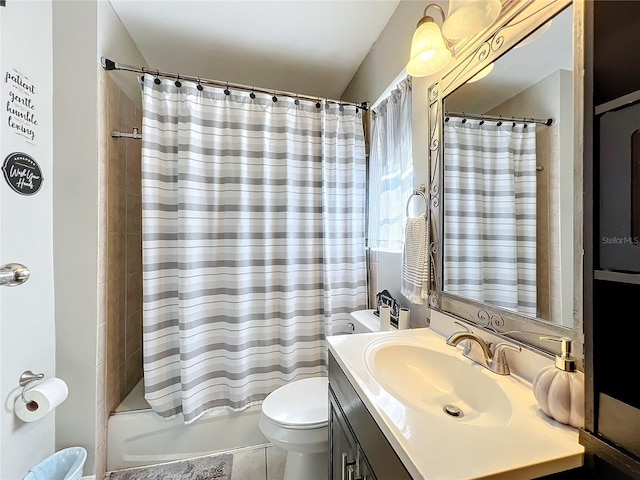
(141, 437)
(138, 436)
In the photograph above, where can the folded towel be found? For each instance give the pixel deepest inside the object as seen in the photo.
(415, 260)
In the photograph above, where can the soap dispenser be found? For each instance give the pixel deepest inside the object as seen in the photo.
(559, 388)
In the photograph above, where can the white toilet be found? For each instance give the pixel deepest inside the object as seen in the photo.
(364, 321)
(295, 417)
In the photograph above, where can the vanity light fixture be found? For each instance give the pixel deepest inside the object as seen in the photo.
(534, 36)
(468, 17)
(430, 47)
(429, 53)
(482, 73)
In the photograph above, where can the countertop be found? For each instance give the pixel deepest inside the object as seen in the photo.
(436, 448)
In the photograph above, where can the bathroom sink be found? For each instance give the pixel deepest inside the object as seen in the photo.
(446, 385)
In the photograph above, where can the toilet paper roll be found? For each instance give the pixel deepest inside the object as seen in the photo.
(41, 400)
(385, 317)
(403, 318)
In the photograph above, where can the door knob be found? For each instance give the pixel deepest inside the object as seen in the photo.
(13, 274)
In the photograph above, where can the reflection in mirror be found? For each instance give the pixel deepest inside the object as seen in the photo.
(523, 47)
(508, 179)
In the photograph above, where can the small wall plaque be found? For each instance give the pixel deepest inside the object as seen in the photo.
(22, 173)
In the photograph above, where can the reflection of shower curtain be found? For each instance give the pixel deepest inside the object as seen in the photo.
(490, 213)
(253, 242)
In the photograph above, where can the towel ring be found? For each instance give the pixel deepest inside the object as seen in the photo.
(419, 191)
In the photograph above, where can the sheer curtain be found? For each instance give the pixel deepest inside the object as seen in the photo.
(253, 242)
(390, 168)
(490, 213)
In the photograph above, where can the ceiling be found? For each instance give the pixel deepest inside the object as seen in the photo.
(311, 47)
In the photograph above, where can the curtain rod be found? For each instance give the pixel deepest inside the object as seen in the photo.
(481, 117)
(111, 65)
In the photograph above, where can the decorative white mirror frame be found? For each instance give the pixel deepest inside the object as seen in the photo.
(517, 20)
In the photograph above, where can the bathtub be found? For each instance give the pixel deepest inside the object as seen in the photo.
(137, 436)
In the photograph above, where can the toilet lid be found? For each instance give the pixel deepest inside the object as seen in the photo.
(301, 403)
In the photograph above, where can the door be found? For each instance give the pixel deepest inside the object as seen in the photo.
(27, 327)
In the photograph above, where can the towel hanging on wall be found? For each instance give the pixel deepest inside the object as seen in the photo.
(415, 260)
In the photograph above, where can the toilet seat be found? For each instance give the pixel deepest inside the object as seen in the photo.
(301, 404)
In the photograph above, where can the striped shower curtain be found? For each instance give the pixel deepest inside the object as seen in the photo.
(490, 213)
(253, 242)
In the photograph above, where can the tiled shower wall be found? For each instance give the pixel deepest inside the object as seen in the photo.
(123, 248)
(548, 274)
(119, 357)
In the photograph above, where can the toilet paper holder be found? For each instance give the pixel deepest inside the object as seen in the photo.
(26, 379)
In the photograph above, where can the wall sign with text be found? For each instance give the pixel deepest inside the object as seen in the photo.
(22, 173)
(21, 105)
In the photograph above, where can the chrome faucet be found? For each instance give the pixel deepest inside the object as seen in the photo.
(479, 350)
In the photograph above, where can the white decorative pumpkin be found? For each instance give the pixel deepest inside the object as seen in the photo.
(560, 394)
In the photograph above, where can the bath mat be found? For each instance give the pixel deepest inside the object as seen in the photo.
(214, 467)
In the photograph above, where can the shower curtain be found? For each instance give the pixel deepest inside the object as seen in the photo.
(490, 213)
(253, 242)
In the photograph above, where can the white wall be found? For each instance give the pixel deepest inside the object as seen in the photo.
(26, 311)
(75, 205)
(115, 44)
(386, 60)
(83, 32)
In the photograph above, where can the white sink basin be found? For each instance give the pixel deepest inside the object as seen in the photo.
(406, 377)
(445, 385)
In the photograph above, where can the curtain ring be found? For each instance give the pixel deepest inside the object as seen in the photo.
(296, 101)
(464, 118)
(482, 119)
(157, 81)
(199, 87)
(500, 120)
(226, 90)
(252, 94)
(514, 122)
(178, 82)
(274, 98)
(318, 103)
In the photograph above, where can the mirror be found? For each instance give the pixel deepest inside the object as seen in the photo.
(505, 201)
(508, 196)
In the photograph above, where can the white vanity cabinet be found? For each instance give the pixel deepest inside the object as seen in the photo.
(358, 449)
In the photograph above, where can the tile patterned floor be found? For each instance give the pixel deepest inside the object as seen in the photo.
(260, 463)
(265, 463)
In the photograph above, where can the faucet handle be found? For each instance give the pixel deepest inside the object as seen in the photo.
(499, 363)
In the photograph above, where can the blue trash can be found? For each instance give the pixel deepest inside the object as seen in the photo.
(66, 464)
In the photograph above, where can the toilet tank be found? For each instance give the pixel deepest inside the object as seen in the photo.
(364, 321)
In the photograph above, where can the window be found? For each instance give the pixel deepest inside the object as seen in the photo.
(390, 168)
